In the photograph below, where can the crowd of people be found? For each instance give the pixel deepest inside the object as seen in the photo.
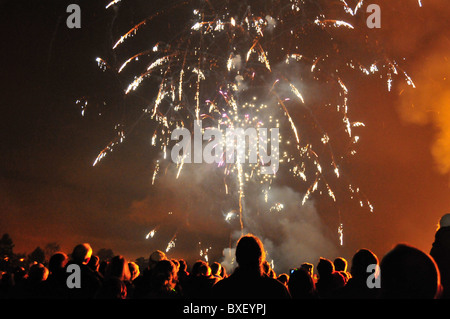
(404, 272)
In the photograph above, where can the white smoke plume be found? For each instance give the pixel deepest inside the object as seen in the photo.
(291, 235)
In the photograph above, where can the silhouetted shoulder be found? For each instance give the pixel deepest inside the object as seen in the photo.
(247, 287)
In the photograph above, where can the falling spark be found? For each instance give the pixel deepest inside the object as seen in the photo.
(101, 64)
(151, 234)
(170, 245)
(277, 207)
(335, 23)
(297, 93)
(155, 172)
(350, 10)
(112, 3)
(84, 104)
(341, 234)
(229, 216)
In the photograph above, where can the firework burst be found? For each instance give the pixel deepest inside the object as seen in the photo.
(250, 64)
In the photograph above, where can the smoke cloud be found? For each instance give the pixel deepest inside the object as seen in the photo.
(428, 103)
(195, 208)
(291, 233)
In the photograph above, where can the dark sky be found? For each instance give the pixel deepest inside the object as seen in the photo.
(50, 192)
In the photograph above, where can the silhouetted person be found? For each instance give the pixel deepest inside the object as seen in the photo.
(20, 275)
(409, 273)
(356, 287)
(309, 268)
(116, 276)
(34, 285)
(223, 273)
(19, 279)
(301, 285)
(56, 286)
(183, 275)
(143, 282)
(102, 267)
(90, 283)
(134, 270)
(340, 264)
(330, 281)
(200, 282)
(164, 281)
(440, 251)
(94, 263)
(268, 270)
(216, 269)
(283, 278)
(248, 280)
(134, 273)
(7, 285)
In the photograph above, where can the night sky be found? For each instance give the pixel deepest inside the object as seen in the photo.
(50, 192)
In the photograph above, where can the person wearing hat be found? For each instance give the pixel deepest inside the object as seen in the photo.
(440, 251)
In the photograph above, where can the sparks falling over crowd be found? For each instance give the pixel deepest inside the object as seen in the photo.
(251, 64)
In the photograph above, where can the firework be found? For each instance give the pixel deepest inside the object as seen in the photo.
(256, 64)
(171, 243)
(229, 216)
(151, 234)
(204, 252)
(277, 207)
(341, 234)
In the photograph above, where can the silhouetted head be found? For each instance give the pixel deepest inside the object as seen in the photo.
(301, 284)
(250, 252)
(444, 221)
(156, 257)
(183, 265)
(409, 273)
(37, 273)
(94, 262)
(118, 267)
(268, 270)
(82, 253)
(340, 264)
(223, 272)
(283, 278)
(200, 268)
(134, 270)
(216, 268)
(164, 275)
(308, 267)
(325, 267)
(361, 260)
(19, 274)
(57, 262)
